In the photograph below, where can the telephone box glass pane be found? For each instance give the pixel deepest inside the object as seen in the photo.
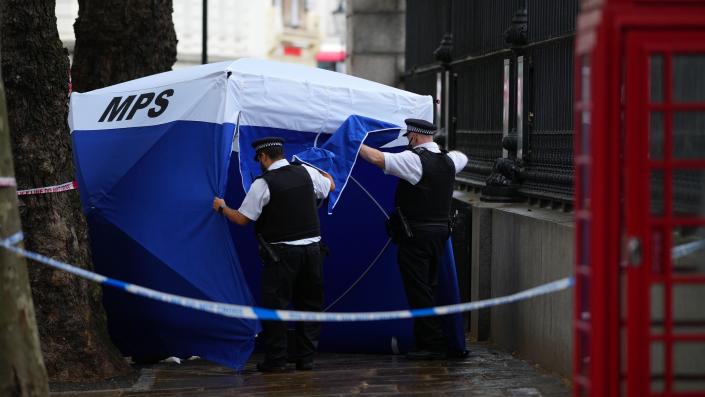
(656, 136)
(689, 135)
(657, 364)
(688, 253)
(656, 78)
(657, 192)
(689, 78)
(689, 193)
(688, 313)
(689, 366)
(656, 309)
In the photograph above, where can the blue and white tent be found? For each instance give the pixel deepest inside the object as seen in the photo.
(151, 154)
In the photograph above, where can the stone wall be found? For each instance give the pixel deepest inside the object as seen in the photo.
(376, 40)
(516, 247)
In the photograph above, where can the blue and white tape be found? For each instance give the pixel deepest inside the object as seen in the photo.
(14, 239)
(687, 249)
(248, 312)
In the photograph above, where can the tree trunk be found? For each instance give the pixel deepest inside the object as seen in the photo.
(22, 371)
(70, 317)
(120, 40)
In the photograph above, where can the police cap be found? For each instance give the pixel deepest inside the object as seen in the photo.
(420, 127)
(270, 141)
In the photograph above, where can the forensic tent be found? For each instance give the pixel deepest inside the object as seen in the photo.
(150, 155)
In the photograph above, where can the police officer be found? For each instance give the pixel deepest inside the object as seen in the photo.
(282, 201)
(423, 199)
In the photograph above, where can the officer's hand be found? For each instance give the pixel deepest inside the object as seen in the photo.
(330, 178)
(217, 203)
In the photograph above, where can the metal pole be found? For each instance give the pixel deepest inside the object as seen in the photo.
(505, 104)
(520, 107)
(450, 115)
(204, 34)
(449, 18)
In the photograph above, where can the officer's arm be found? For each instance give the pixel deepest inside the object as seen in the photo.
(374, 156)
(233, 215)
(460, 160)
(330, 178)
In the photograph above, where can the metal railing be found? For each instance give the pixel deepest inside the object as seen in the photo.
(475, 105)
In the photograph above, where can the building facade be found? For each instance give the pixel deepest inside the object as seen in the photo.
(285, 30)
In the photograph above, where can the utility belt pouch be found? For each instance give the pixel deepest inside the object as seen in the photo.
(397, 227)
(267, 249)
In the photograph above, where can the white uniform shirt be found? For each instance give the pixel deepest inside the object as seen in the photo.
(258, 196)
(407, 164)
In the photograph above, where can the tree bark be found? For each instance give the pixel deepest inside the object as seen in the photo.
(120, 40)
(70, 317)
(22, 371)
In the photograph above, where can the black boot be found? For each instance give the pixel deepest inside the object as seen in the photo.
(302, 365)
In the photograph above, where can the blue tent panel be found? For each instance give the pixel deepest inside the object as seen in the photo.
(338, 154)
(449, 294)
(146, 328)
(153, 226)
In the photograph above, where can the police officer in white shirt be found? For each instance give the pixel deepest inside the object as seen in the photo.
(282, 201)
(423, 199)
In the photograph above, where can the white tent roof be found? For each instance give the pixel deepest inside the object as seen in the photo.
(262, 93)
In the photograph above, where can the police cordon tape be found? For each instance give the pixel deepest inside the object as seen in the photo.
(249, 312)
(687, 249)
(49, 189)
(8, 181)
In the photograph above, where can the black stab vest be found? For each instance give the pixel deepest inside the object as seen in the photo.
(430, 199)
(291, 213)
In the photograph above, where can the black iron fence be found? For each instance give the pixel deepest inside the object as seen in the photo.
(492, 85)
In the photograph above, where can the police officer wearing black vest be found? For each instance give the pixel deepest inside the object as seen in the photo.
(421, 225)
(282, 201)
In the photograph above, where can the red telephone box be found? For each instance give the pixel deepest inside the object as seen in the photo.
(640, 199)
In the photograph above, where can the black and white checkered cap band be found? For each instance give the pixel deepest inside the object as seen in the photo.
(418, 130)
(267, 144)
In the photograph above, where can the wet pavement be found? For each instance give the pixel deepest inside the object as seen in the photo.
(486, 373)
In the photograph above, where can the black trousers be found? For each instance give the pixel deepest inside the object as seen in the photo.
(419, 258)
(296, 279)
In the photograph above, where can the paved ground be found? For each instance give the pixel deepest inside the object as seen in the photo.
(488, 373)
